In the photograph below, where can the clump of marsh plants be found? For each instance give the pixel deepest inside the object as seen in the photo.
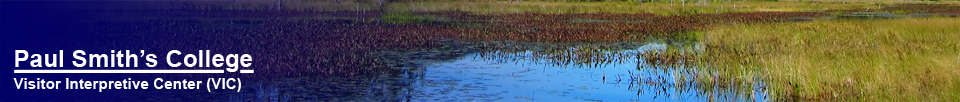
(910, 59)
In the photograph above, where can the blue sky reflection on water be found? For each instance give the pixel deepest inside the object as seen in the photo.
(474, 78)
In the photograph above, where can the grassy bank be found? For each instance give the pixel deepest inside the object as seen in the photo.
(901, 59)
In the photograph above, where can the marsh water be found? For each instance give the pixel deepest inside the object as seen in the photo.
(622, 75)
(560, 73)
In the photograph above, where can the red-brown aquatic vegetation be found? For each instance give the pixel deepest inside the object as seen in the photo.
(341, 45)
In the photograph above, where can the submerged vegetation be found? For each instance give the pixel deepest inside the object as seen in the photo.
(867, 60)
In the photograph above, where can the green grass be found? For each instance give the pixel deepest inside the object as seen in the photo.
(912, 59)
(406, 18)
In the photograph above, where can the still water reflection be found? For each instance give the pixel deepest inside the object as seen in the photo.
(595, 75)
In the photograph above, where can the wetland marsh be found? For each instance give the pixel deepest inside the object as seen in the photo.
(367, 50)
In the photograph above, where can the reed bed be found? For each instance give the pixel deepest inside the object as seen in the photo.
(911, 59)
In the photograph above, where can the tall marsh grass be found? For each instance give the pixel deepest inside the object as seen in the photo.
(912, 59)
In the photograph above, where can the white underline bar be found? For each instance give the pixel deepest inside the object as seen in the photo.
(119, 71)
(246, 71)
